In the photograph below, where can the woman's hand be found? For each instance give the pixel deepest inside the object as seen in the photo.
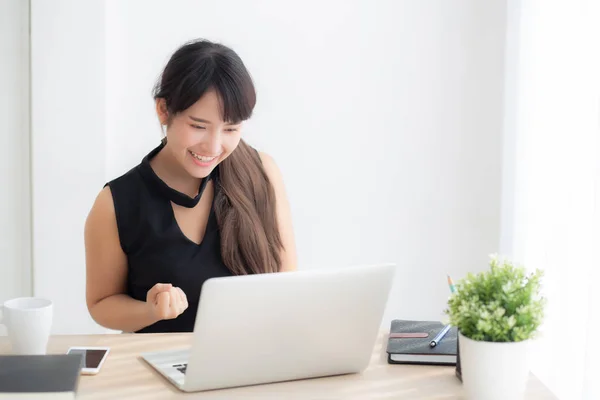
(166, 301)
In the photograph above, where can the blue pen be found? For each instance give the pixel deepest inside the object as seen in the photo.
(436, 340)
(451, 285)
(443, 332)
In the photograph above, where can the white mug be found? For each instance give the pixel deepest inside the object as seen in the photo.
(28, 321)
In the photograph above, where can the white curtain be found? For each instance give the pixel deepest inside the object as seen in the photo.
(552, 181)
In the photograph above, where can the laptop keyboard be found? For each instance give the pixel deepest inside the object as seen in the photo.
(181, 367)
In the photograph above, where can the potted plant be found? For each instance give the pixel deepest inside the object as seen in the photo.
(497, 313)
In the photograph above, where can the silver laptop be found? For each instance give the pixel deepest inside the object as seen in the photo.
(267, 328)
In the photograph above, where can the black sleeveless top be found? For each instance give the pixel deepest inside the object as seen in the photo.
(156, 248)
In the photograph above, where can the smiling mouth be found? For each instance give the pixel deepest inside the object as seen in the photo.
(203, 159)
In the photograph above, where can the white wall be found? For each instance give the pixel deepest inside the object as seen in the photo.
(384, 117)
(510, 238)
(554, 139)
(15, 267)
(68, 139)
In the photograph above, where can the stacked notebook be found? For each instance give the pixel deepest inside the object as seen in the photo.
(24, 377)
(413, 344)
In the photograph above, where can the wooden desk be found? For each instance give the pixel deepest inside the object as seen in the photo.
(125, 375)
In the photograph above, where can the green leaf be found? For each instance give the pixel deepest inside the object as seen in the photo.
(501, 304)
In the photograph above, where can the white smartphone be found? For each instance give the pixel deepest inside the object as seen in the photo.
(92, 358)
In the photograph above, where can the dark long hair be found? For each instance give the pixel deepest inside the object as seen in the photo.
(245, 198)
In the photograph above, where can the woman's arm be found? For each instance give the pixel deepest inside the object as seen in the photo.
(284, 217)
(106, 277)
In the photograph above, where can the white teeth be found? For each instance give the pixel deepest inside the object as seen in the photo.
(202, 158)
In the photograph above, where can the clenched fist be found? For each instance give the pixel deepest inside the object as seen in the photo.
(166, 301)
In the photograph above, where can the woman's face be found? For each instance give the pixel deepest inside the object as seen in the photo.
(197, 137)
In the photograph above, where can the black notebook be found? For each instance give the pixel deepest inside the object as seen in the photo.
(54, 376)
(416, 350)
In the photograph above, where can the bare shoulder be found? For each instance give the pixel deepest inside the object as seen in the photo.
(102, 214)
(103, 204)
(284, 217)
(271, 168)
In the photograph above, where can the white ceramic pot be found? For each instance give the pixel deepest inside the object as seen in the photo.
(494, 371)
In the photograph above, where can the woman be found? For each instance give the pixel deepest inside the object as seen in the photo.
(202, 204)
